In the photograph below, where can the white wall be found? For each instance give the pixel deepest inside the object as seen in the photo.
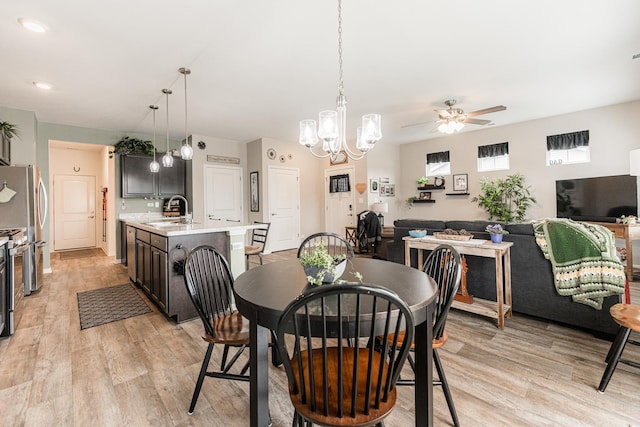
(613, 132)
(384, 161)
(23, 147)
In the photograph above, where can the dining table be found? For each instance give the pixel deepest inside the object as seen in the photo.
(263, 293)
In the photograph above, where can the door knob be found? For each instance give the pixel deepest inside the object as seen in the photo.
(91, 217)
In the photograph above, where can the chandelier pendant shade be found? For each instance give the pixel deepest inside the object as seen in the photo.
(167, 159)
(331, 126)
(154, 166)
(186, 151)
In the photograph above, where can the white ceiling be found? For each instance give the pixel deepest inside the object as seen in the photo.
(260, 66)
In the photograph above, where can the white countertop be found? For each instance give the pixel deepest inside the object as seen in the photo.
(152, 225)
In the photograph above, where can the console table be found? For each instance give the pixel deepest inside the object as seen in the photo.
(501, 252)
(627, 232)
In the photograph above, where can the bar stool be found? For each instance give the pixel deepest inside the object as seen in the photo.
(628, 317)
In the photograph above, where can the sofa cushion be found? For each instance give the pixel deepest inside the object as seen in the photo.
(419, 223)
(522, 228)
(470, 225)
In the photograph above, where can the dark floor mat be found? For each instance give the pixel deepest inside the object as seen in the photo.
(111, 304)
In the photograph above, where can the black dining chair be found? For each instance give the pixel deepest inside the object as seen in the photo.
(210, 285)
(258, 242)
(336, 245)
(331, 382)
(444, 266)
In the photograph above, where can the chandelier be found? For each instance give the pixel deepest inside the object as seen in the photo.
(186, 151)
(451, 125)
(154, 166)
(332, 124)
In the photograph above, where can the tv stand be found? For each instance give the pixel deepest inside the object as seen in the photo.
(627, 232)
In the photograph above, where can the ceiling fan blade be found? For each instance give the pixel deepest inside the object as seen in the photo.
(487, 111)
(477, 121)
(416, 124)
(444, 114)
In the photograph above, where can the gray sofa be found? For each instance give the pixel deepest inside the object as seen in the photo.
(532, 287)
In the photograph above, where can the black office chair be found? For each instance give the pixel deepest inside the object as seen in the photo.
(332, 383)
(258, 242)
(210, 286)
(336, 245)
(444, 266)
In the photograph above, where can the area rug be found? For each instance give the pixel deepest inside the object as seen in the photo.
(83, 253)
(111, 304)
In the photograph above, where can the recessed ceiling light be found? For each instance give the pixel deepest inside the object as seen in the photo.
(42, 85)
(32, 25)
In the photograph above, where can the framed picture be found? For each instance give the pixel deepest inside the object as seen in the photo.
(425, 195)
(374, 186)
(460, 182)
(254, 191)
(387, 190)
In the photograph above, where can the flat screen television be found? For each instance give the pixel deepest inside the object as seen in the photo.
(603, 198)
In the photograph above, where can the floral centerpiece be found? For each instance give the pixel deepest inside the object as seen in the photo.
(321, 267)
(496, 231)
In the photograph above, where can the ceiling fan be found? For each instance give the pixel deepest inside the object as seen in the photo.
(453, 119)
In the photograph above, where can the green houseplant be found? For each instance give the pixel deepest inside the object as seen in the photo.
(8, 130)
(129, 145)
(505, 200)
(321, 267)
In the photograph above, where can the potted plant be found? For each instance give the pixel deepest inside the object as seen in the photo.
(129, 145)
(423, 181)
(505, 200)
(320, 267)
(8, 130)
(496, 232)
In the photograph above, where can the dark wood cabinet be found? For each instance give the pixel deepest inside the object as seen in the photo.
(138, 181)
(5, 150)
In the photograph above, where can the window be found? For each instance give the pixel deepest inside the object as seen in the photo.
(438, 164)
(568, 148)
(493, 157)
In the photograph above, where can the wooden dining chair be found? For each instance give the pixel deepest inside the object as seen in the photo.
(444, 266)
(258, 242)
(336, 245)
(210, 285)
(332, 383)
(628, 317)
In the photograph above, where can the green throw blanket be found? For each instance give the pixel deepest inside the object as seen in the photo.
(584, 260)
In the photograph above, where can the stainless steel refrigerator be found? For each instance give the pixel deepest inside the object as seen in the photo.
(26, 209)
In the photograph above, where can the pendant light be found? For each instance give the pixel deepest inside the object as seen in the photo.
(331, 127)
(154, 166)
(186, 151)
(167, 159)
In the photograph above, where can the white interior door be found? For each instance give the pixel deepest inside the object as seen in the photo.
(340, 206)
(284, 208)
(74, 212)
(223, 194)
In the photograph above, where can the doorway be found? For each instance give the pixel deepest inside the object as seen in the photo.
(339, 205)
(75, 212)
(284, 208)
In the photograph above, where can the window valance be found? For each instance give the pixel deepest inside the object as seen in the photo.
(568, 141)
(493, 150)
(441, 157)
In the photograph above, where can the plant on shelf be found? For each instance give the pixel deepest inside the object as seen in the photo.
(422, 181)
(8, 130)
(129, 145)
(505, 200)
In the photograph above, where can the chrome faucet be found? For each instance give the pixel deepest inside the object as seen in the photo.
(187, 216)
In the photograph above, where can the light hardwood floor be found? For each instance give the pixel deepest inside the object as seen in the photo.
(141, 371)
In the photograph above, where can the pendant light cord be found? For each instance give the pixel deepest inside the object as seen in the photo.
(340, 82)
(167, 92)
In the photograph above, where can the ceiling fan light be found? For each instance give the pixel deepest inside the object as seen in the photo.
(458, 126)
(443, 128)
(308, 133)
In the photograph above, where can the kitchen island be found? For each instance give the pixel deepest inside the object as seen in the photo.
(158, 247)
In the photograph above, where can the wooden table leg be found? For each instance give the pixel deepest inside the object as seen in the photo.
(507, 281)
(500, 290)
(424, 371)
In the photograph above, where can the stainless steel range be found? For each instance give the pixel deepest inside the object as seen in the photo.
(16, 255)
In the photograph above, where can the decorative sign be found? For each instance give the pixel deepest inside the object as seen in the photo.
(223, 159)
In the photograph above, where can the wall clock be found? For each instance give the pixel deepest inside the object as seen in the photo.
(439, 181)
(271, 153)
